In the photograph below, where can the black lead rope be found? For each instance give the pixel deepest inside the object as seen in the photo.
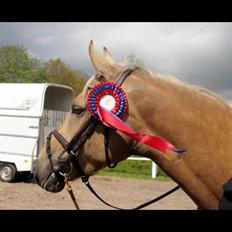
(86, 181)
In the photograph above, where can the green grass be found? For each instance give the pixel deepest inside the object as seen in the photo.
(139, 169)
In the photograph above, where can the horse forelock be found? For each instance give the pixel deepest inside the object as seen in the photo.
(89, 85)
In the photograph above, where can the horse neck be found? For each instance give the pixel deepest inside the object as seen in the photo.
(194, 120)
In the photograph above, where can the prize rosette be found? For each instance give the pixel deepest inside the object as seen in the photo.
(109, 96)
(107, 102)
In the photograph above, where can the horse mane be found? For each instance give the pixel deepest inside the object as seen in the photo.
(176, 81)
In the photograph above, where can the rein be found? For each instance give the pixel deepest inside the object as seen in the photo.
(73, 147)
(87, 183)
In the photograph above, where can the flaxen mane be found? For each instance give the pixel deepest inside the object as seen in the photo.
(172, 79)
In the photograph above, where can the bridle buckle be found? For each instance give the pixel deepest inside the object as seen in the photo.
(72, 153)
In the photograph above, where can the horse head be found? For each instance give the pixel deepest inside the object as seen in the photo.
(92, 151)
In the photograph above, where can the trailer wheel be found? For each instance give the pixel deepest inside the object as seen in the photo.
(7, 172)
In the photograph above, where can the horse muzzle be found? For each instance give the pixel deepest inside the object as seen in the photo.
(53, 183)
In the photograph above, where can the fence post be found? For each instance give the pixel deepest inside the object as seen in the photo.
(154, 170)
(154, 166)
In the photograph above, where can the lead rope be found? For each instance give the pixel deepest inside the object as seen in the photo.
(70, 191)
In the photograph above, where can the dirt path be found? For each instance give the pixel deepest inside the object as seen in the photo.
(121, 192)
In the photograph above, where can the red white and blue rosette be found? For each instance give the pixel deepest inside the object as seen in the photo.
(109, 96)
(107, 102)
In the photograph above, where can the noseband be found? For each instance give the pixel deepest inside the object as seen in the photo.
(80, 138)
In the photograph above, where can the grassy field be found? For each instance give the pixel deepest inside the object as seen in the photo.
(134, 169)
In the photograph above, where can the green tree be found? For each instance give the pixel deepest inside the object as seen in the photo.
(60, 73)
(17, 65)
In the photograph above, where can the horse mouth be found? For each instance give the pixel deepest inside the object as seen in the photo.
(53, 183)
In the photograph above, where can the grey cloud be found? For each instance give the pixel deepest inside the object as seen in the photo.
(199, 53)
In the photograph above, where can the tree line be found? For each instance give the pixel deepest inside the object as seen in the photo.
(17, 65)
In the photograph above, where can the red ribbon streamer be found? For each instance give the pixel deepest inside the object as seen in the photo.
(110, 120)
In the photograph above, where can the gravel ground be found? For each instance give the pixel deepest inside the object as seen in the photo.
(121, 192)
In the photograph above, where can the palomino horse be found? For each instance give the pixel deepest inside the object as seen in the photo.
(186, 116)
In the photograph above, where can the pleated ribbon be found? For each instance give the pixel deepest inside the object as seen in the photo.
(111, 120)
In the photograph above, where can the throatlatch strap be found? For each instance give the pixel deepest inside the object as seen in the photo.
(123, 76)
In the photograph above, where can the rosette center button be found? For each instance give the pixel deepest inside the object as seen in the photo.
(107, 102)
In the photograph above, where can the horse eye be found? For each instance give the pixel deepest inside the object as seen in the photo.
(77, 109)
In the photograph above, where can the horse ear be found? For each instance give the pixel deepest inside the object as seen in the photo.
(107, 56)
(102, 64)
(109, 59)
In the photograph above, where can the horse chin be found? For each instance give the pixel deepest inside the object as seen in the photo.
(53, 183)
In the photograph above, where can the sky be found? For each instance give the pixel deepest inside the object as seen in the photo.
(197, 53)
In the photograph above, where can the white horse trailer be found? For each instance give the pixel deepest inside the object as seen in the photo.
(28, 112)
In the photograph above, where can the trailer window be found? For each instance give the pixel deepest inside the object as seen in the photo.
(52, 118)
